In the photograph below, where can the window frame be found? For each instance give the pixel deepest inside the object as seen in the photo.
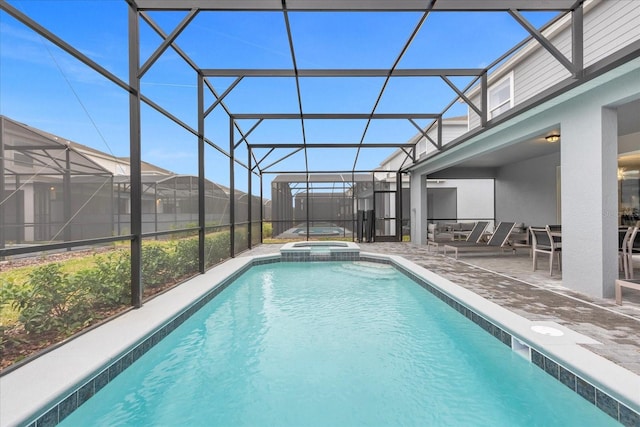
(498, 86)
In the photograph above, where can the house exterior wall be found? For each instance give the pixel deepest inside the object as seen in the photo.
(526, 191)
(113, 165)
(29, 212)
(474, 198)
(629, 143)
(608, 27)
(612, 26)
(589, 194)
(418, 213)
(442, 204)
(451, 129)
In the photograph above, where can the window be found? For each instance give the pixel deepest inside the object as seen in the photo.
(501, 96)
(22, 160)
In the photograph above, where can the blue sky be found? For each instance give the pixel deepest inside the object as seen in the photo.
(44, 87)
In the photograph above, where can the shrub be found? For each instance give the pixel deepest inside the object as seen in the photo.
(5, 300)
(110, 280)
(156, 265)
(241, 239)
(217, 247)
(49, 301)
(267, 230)
(185, 257)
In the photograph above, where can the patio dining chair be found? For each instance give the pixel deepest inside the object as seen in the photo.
(629, 248)
(543, 242)
(623, 237)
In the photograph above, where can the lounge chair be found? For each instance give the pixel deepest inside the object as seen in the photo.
(476, 233)
(474, 236)
(544, 242)
(499, 240)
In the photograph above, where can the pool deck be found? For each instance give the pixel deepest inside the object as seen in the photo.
(508, 281)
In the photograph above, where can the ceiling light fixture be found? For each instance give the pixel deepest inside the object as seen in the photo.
(552, 138)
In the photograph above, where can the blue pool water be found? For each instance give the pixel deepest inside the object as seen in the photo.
(332, 344)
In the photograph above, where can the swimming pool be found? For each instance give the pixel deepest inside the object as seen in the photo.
(320, 231)
(316, 230)
(333, 343)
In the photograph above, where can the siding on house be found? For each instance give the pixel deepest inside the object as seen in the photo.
(609, 25)
(450, 131)
(613, 25)
(452, 128)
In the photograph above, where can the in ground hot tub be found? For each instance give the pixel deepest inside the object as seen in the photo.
(320, 251)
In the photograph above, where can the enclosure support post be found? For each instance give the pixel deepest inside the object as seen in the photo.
(112, 211)
(249, 199)
(155, 207)
(118, 207)
(307, 207)
(399, 206)
(66, 190)
(201, 181)
(2, 186)
(261, 211)
(135, 155)
(354, 207)
(20, 234)
(577, 41)
(484, 100)
(232, 191)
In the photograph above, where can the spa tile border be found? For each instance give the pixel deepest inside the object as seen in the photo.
(69, 403)
(316, 257)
